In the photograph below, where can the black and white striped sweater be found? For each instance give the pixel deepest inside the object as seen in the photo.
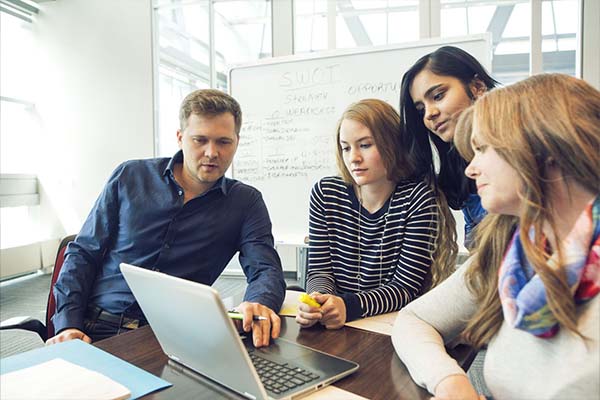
(395, 246)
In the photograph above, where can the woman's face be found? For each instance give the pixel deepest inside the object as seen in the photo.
(440, 100)
(360, 154)
(497, 181)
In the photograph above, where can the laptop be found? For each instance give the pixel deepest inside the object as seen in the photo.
(193, 329)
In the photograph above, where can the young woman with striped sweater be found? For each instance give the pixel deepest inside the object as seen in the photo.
(374, 234)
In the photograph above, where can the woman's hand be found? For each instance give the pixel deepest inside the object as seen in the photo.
(456, 387)
(308, 316)
(333, 309)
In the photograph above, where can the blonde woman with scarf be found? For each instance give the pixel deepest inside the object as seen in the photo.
(530, 291)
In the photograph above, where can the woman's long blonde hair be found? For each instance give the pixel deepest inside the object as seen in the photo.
(545, 120)
(384, 123)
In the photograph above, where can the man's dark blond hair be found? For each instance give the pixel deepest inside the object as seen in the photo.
(209, 103)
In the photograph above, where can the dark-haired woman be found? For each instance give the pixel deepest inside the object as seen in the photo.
(434, 91)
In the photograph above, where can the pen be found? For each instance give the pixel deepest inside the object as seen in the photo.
(237, 315)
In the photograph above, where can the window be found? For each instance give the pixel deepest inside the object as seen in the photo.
(242, 34)
(20, 131)
(509, 22)
(310, 22)
(560, 21)
(183, 63)
(380, 22)
(358, 23)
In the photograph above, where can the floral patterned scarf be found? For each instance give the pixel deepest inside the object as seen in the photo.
(522, 292)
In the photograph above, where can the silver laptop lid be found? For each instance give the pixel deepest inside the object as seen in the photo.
(192, 327)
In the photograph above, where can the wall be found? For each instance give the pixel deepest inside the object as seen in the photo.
(94, 104)
(95, 100)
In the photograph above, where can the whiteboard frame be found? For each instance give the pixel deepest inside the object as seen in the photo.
(324, 54)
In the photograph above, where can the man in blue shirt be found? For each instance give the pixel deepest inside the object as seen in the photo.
(177, 215)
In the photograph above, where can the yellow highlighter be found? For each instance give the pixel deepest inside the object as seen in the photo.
(306, 299)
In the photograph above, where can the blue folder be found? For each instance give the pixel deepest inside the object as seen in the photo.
(138, 381)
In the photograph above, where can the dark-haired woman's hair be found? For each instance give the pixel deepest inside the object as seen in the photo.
(415, 137)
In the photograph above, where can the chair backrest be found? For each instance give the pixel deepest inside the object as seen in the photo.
(58, 263)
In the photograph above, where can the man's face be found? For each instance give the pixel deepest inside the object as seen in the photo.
(209, 144)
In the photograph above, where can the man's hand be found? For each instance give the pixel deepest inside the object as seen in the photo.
(264, 330)
(456, 387)
(308, 316)
(69, 334)
(333, 309)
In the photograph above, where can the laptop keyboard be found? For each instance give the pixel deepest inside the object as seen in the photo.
(279, 378)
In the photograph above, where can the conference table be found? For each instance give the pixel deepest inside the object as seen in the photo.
(381, 374)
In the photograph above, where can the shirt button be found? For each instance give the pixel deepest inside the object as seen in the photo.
(167, 246)
(358, 277)
(180, 192)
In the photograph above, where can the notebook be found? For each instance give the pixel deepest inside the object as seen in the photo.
(61, 380)
(193, 329)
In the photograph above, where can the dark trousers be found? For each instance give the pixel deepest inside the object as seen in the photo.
(99, 324)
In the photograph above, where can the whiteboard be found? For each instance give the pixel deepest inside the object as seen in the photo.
(291, 106)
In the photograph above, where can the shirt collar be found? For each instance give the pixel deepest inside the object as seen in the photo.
(221, 183)
(177, 158)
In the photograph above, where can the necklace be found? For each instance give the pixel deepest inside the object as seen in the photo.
(385, 220)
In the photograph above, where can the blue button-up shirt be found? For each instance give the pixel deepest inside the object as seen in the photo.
(140, 218)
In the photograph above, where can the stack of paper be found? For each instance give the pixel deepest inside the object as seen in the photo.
(61, 380)
(382, 323)
(289, 308)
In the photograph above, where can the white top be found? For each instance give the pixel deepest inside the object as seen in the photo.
(518, 365)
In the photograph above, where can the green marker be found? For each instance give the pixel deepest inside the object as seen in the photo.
(237, 315)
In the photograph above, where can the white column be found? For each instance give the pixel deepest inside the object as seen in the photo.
(331, 25)
(211, 45)
(535, 40)
(589, 57)
(429, 19)
(282, 23)
(434, 18)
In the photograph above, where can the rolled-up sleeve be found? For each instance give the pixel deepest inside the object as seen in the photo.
(259, 259)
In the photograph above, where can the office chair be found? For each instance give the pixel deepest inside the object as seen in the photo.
(295, 288)
(32, 324)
